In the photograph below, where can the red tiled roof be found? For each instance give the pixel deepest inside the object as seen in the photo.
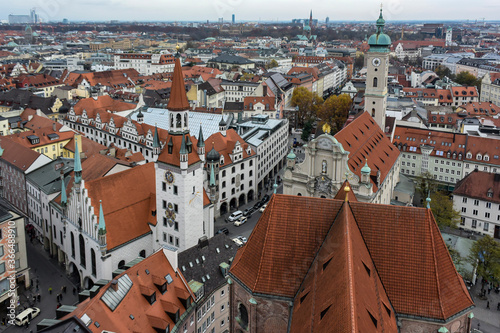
(22, 138)
(224, 145)
(443, 142)
(148, 318)
(365, 142)
(480, 109)
(486, 147)
(479, 185)
(464, 91)
(174, 158)
(444, 96)
(265, 100)
(126, 202)
(17, 154)
(102, 103)
(404, 243)
(178, 99)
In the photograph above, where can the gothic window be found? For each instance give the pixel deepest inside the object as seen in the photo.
(243, 316)
(142, 254)
(121, 264)
(185, 119)
(72, 245)
(373, 112)
(171, 120)
(375, 82)
(92, 258)
(82, 250)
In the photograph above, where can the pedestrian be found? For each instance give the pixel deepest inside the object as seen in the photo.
(488, 304)
(498, 306)
(34, 299)
(38, 297)
(50, 290)
(31, 282)
(64, 289)
(58, 305)
(60, 296)
(74, 291)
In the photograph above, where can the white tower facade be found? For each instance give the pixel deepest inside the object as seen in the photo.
(377, 73)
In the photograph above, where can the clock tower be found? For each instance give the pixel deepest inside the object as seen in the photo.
(377, 73)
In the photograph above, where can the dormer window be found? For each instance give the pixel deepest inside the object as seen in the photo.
(490, 194)
(469, 155)
(486, 158)
(222, 160)
(479, 157)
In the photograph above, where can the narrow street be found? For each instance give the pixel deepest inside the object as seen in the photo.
(49, 274)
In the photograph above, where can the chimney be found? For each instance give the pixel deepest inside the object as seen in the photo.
(114, 285)
(54, 127)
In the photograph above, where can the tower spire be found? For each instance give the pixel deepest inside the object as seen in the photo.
(201, 141)
(178, 99)
(101, 234)
(64, 198)
(77, 165)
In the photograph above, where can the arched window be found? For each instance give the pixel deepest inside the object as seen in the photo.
(121, 264)
(171, 120)
(185, 119)
(375, 82)
(82, 250)
(299, 194)
(142, 254)
(178, 121)
(373, 112)
(243, 314)
(93, 263)
(72, 245)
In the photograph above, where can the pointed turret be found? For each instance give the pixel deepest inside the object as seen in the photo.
(183, 152)
(156, 143)
(77, 165)
(201, 145)
(223, 126)
(64, 197)
(178, 99)
(102, 230)
(212, 175)
(290, 159)
(365, 173)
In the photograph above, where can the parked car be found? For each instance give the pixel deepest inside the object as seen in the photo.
(235, 216)
(257, 205)
(26, 316)
(222, 231)
(262, 208)
(248, 211)
(241, 238)
(264, 199)
(241, 221)
(237, 241)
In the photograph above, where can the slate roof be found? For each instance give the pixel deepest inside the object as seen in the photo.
(230, 59)
(403, 245)
(206, 260)
(48, 177)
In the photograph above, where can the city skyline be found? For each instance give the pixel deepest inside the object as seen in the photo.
(190, 10)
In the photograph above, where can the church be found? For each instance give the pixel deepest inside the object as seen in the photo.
(361, 152)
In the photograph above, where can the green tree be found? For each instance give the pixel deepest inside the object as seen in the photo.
(443, 71)
(359, 62)
(442, 209)
(485, 256)
(426, 184)
(466, 79)
(455, 256)
(334, 111)
(273, 63)
(306, 131)
(308, 103)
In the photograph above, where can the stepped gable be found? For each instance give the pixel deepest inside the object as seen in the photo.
(178, 99)
(365, 141)
(412, 260)
(126, 203)
(342, 288)
(286, 233)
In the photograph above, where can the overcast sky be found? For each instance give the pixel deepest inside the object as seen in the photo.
(252, 10)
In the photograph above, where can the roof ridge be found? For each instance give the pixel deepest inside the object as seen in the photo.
(428, 213)
(350, 264)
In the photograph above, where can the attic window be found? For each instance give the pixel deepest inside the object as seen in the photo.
(131, 317)
(387, 309)
(490, 194)
(169, 279)
(147, 271)
(326, 263)
(367, 269)
(372, 318)
(303, 297)
(322, 314)
(96, 324)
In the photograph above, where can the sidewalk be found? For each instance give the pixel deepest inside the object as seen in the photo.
(488, 319)
(48, 273)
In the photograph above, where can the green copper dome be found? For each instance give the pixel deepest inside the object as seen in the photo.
(291, 155)
(379, 40)
(366, 168)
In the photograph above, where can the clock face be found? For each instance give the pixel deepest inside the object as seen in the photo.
(170, 214)
(376, 62)
(169, 177)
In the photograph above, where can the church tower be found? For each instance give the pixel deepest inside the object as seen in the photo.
(377, 73)
(179, 175)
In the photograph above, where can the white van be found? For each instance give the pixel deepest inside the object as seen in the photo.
(235, 216)
(26, 316)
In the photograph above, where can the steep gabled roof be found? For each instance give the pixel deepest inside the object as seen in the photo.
(174, 157)
(365, 141)
(342, 288)
(126, 203)
(404, 244)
